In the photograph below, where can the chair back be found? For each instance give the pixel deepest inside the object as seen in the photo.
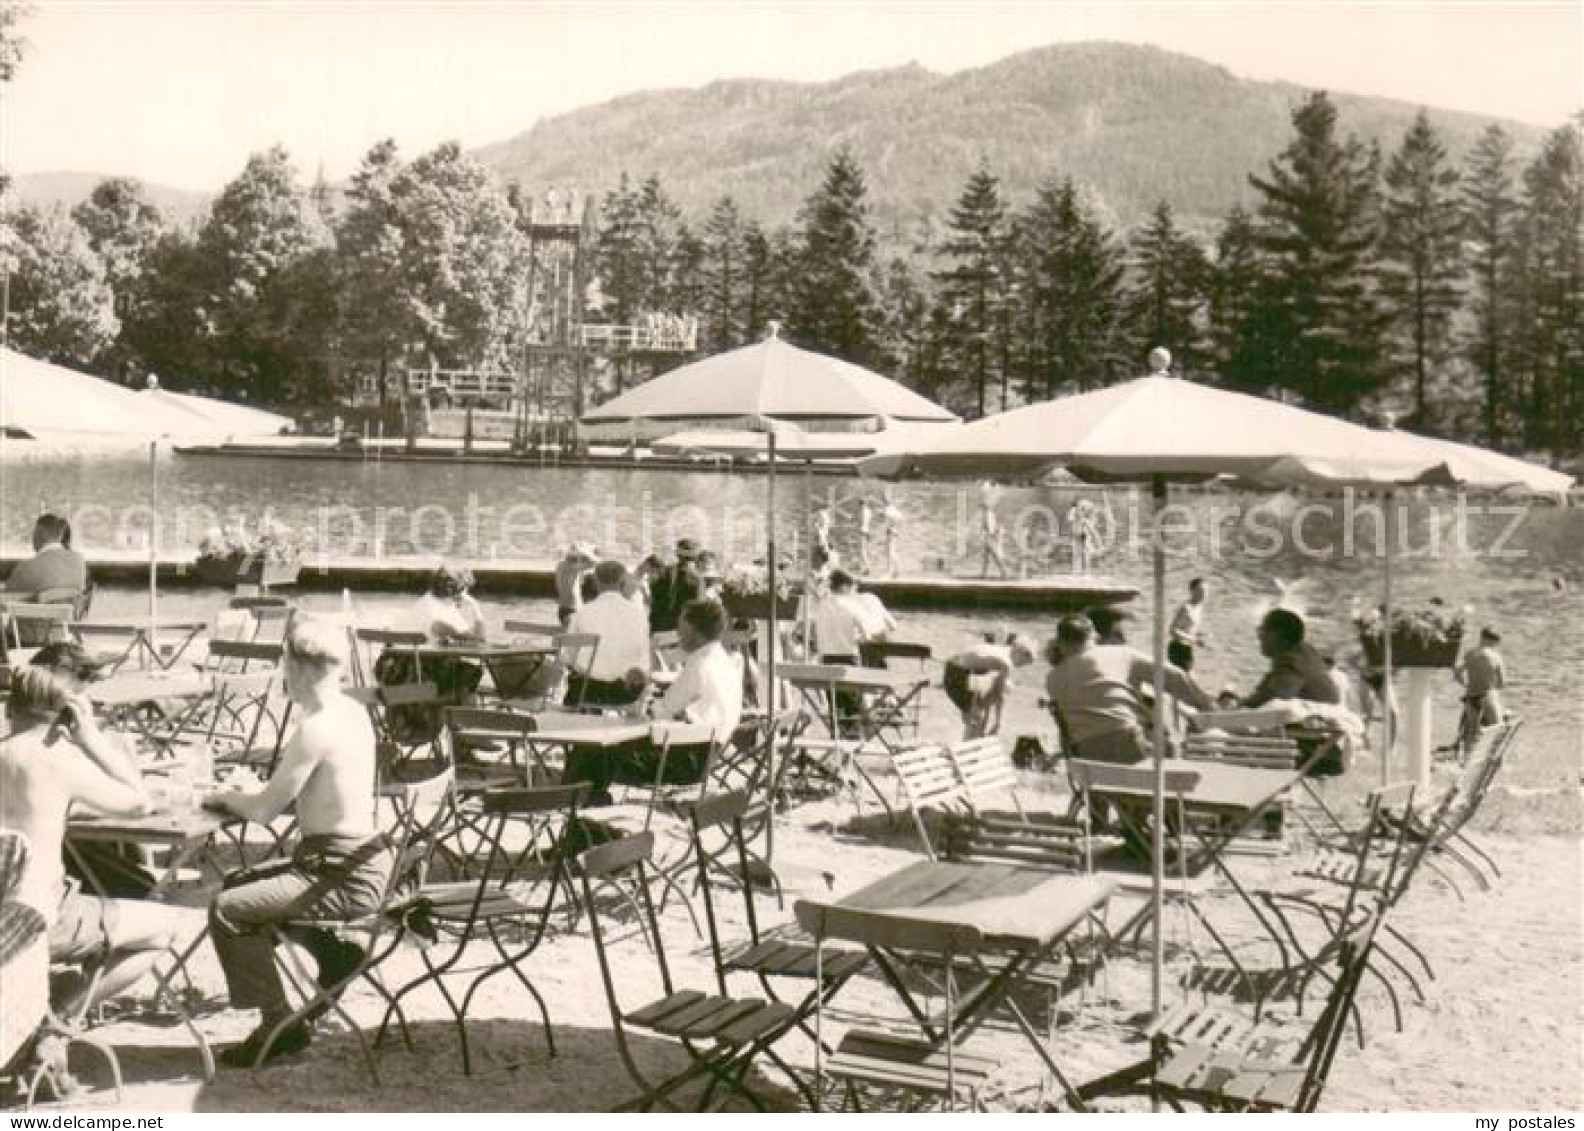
(1052, 844)
(1320, 1046)
(621, 861)
(368, 644)
(24, 955)
(877, 653)
(526, 839)
(1485, 762)
(14, 856)
(43, 622)
(942, 943)
(723, 813)
(243, 702)
(1275, 752)
(575, 652)
(242, 655)
(532, 628)
(929, 781)
(986, 770)
(422, 811)
(1086, 776)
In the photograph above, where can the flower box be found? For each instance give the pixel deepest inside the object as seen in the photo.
(1413, 652)
(1428, 637)
(242, 568)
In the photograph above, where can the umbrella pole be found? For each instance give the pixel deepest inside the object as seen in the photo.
(1387, 737)
(153, 561)
(1158, 839)
(770, 640)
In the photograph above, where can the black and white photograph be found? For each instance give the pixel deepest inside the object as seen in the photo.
(796, 556)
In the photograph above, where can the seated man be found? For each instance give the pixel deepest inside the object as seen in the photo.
(708, 691)
(839, 631)
(620, 669)
(341, 864)
(54, 569)
(1297, 669)
(990, 661)
(1096, 693)
(55, 760)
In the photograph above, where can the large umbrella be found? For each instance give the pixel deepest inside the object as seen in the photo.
(1156, 429)
(771, 387)
(772, 379)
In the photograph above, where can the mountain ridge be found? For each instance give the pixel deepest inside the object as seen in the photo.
(1130, 123)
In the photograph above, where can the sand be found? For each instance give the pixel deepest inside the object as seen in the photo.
(1501, 1029)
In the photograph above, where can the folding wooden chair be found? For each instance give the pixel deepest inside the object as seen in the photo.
(929, 784)
(721, 1035)
(408, 724)
(575, 651)
(421, 810)
(369, 644)
(236, 657)
(1219, 1064)
(885, 1061)
(509, 902)
(731, 864)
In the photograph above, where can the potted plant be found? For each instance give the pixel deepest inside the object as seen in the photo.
(746, 592)
(1425, 637)
(270, 558)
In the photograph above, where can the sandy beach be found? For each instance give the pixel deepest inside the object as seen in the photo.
(1502, 1026)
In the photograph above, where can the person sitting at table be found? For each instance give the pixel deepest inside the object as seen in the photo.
(447, 612)
(839, 632)
(707, 691)
(878, 623)
(110, 868)
(54, 569)
(1297, 670)
(990, 663)
(676, 585)
(341, 864)
(56, 761)
(1096, 693)
(620, 669)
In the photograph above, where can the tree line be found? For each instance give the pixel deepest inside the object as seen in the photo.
(1445, 291)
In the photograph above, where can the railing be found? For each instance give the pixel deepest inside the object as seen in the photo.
(660, 334)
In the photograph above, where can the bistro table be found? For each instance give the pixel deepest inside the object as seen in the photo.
(139, 637)
(887, 703)
(1023, 914)
(187, 831)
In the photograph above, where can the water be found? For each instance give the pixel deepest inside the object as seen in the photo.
(1528, 579)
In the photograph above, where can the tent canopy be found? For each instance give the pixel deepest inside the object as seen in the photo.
(769, 379)
(44, 400)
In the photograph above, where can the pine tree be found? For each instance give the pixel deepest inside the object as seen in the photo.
(1169, 293)
(724, 300)
(1240, 308)
(1420, 253)
(1317, 233)
(974, 284)
(1488, 213)
(833, 306)
(1550, 344)
(1071, 304)
(617, 253)
(685, 286)
(659, 221)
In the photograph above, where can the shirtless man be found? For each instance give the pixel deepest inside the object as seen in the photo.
(55, 760)
(341, 864)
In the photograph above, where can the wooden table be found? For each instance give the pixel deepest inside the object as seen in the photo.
(139, 636)
(1023, 914)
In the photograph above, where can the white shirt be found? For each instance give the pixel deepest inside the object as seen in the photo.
(1185, 624)
(442, 618)
(708, 690)
(875, 618)
(623, 630)
(838, 625)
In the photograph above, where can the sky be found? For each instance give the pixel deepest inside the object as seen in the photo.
(181, 93)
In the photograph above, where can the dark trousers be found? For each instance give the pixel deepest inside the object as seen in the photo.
(326, 878)
(599, 692)
(849, 704)
(1180, 654)
(635, 764)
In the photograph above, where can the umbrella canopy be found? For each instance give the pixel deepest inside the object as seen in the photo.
(1467, 465)
(46, 400)
(772, 379)
(1155, 427)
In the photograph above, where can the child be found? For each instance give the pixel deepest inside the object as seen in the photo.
(1483, 675)
(1187, 627)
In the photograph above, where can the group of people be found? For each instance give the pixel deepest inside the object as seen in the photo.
(874, 517)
